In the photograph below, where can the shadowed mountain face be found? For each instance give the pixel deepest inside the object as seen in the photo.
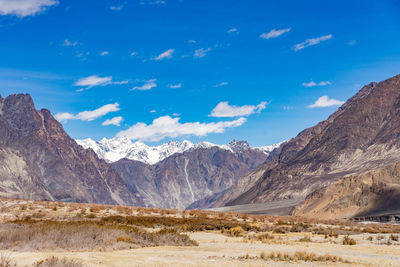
(38, 160)
(362, 135)
(184, 178)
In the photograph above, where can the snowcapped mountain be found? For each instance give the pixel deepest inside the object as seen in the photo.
(114, 149)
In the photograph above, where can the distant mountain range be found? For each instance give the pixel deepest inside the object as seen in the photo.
(114, 149)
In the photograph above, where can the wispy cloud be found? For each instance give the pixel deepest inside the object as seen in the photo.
(312, 83)
(104, 53)
(133, 54)
(116, 121)
(88, 115)
(324, 101)
(223, 109)
(274, 33)
(153, 111)
(150, 2)
(166, 54)
(117, 8)
(147, 86)
(192, 41)
(202, 52)
(166, 126)
(95, 80)
(352, 42)
(24, 8)
(68, 42)
(287, 107)
(175, 86)
(233, 31)
(311, 42)
(221, 84)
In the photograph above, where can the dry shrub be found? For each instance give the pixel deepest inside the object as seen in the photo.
(394, 237)
(281, 230)
(192, 224)
(300, 256)
(56, 262)
(236, 231)
(305, 238)
(349, 241)
(6, 261)
(30, 235)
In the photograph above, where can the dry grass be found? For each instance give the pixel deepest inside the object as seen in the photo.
(301, 256)
(6, 261)
(56, 262)
(31, 235)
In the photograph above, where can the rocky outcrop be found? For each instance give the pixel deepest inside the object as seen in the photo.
(369, 194)
(362, 135)
(38, 160)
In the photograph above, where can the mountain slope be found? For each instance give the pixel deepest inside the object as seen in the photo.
(38, 160)
(184, 178)
(362, 135)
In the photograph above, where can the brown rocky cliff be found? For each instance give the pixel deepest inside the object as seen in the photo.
(40, 161)
(362, 135)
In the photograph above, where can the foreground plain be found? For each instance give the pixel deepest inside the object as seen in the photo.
(129, 236)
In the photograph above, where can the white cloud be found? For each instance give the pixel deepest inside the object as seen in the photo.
(192, 41)
(324, 101)
(104, 53)
(114, 121)
(233, 30)
(175, 86)
(24, 8)
(88, 115)
(166, 126)
(311, 42)
(352, 42)
(221, 84)
(117, 8)
(166, 54)
(223, 109)
(274, 33)
(93, 80)
(68, 42)
(199, 53)
(64, 116)
(312, 83)
(133, 54)
(153, 111)
(176, 114)
(147, 86)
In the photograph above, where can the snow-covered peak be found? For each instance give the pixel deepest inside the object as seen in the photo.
(114, 149)
(269, 149)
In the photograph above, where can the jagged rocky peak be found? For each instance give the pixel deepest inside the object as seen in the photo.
(43, 162)
(239, 145)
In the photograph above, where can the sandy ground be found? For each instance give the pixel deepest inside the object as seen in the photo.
(218, 250)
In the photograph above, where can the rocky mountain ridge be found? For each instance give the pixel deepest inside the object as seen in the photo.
(361, 136)
(114, 149)
(40, 161)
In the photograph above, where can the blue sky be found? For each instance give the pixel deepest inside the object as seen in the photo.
(199, 70)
